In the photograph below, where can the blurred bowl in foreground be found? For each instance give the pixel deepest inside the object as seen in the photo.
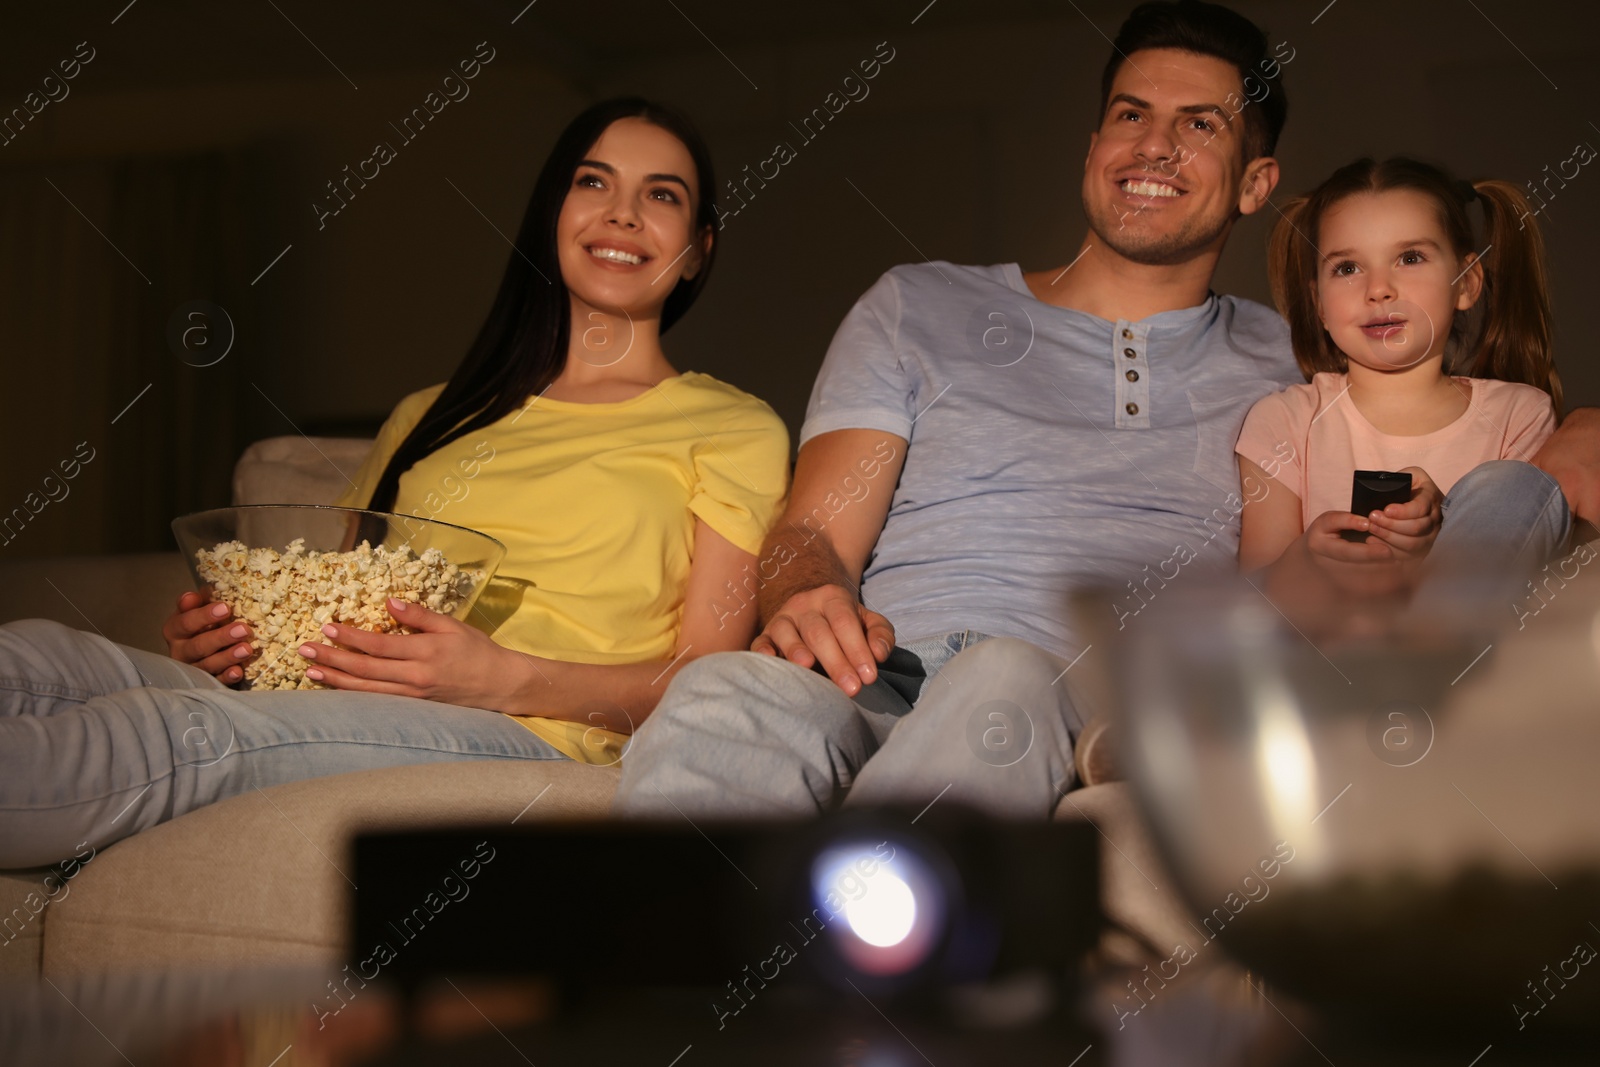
(1373, 808)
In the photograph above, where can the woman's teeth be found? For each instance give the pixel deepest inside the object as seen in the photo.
(615, 255)
(1139, 188)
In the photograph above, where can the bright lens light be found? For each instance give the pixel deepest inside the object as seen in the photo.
(881, 903)
(885, 915)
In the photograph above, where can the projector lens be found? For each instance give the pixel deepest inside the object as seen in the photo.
(886, 914)
(887, 906)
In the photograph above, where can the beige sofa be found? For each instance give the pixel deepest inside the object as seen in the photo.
(262, 878)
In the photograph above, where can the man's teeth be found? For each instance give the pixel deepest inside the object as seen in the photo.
(1139, 188)
(615, 255)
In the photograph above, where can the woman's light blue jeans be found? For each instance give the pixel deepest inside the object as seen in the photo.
(99, 741)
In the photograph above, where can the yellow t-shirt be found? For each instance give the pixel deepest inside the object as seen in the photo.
(596, 505)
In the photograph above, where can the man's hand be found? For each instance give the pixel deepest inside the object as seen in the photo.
(1572, 457)
(1410, 528)
(199, 633)
(810, 609)
(827, 625)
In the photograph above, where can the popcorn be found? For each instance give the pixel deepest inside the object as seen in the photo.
(286, 598)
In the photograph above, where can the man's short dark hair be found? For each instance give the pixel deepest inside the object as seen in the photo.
(1210, 30)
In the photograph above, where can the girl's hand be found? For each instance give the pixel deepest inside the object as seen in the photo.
(444, 660)
(1368, 568)
(1410, 528)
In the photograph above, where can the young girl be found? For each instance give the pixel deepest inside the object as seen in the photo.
(628, 495)
(1376, 272)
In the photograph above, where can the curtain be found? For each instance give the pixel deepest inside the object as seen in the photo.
(96, 259)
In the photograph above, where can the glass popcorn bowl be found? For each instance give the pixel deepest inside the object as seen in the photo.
(1371, 806)
(287, 569)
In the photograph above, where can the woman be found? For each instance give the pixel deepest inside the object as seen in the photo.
(629, 497)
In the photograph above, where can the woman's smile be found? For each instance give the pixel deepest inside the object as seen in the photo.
(618, 255)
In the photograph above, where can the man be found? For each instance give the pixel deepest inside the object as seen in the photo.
(980, 442)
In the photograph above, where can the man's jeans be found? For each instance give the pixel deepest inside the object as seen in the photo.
(956, 718)
(1506, 509)
(1502, 521)
(990, 722)
(99, 741)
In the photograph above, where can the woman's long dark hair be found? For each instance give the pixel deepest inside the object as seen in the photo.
(522, 346)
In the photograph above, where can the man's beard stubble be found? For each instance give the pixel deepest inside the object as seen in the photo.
(1160, 250)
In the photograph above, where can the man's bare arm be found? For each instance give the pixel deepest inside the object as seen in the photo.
(1572, 457)
(811, 610)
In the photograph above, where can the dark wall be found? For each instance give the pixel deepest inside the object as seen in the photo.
(969, 147)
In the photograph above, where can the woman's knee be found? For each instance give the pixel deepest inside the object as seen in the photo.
(42, 634)
(49, 652)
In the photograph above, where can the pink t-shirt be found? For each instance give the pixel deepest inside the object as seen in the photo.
(1311, 438)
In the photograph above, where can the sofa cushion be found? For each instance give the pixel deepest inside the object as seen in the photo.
(298, 470)
(260, 879)
(127, 597)
(24, 903)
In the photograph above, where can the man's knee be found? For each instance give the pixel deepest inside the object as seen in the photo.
(717, 691)
(1004, 683)
(733, 676)
(1505, 478)
(1511, 493)
(1006, 659)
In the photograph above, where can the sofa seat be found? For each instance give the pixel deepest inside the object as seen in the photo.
(261, 879)
(24, 904)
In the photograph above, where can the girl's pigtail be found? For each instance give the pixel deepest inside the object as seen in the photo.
(1514, 342)
(1292, 273)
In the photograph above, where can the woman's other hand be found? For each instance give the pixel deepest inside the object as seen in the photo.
(444, 659)
(203, 634)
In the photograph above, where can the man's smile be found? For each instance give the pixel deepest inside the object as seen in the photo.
(1149, 188)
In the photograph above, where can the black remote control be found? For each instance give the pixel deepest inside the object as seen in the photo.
(1373, 491)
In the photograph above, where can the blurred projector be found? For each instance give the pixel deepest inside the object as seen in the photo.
(863, 902)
